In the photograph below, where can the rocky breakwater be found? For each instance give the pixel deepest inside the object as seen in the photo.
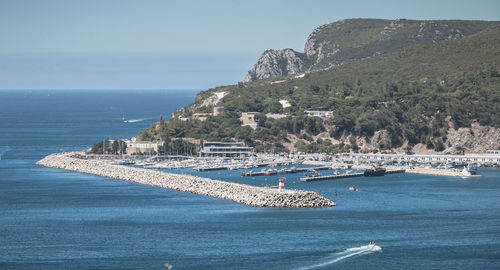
(239, 193)
(440, 172)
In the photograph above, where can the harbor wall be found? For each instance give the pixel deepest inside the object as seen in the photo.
(239, 193)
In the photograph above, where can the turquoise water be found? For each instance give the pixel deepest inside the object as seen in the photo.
(54, 219)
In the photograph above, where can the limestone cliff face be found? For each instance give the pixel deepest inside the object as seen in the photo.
(276, 63)
(350, 40)
(475, 139)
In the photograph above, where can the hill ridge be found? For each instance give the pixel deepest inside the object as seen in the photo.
(349, 40)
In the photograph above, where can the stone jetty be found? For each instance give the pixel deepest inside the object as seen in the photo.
(239, 193)
(440, 172)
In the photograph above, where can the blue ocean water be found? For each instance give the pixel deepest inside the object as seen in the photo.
(54, 219)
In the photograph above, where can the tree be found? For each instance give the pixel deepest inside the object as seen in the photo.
(115, 147)
(261, 119)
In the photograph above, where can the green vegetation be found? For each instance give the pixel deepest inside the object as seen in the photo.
(361, 38)
(412, 95)
(110, 147)
(178, 147)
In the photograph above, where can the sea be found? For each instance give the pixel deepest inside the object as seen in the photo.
(56, 219)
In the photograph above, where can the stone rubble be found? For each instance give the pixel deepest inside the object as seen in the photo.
(239, 193)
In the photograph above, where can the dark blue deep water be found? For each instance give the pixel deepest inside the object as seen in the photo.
(54, 219)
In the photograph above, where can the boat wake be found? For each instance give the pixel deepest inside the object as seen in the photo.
(340, 256)
(3, 150)
(135, 120)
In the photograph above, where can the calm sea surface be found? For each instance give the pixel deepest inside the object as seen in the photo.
(54, 219)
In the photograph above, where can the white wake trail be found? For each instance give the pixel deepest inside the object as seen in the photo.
(134, 120)
(340, 256)
(137, 120)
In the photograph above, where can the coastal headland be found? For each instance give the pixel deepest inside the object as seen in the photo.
(239, 193)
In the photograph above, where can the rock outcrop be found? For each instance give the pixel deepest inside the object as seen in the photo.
(276, 63)
(239, 193)
(351, 40)
(476, 139)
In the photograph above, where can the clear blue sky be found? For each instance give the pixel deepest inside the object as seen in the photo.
(160, 44)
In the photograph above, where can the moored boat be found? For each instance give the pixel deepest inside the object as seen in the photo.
(375, 171)
(469, 170)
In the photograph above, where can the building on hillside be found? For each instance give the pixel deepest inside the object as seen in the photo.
(218, 110)
(285, 103)
(319, 113)
(247, 119)
(225, 149)
(275, 115)
(201, 116)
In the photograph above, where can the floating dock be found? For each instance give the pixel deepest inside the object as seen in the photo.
(337, 176)
(330, 176)
(395, 171)
(297, 170)
(205, 169)
(229, 167)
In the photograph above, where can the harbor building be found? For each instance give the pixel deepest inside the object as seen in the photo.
(476, 158)
(493, 152)
(225, 149)
(135, 147)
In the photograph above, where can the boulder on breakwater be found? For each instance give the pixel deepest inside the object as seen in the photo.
(239, 193)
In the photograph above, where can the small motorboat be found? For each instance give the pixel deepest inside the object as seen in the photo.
(313, 173)
(372, 244)
(468, 170)
(353, 188)
(375, 171)
(270, 171)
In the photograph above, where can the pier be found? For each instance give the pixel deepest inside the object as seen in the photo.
(330, 176)
(346, 175)
(296, 170)
(395, 171)
(206, 169)
(239, 193)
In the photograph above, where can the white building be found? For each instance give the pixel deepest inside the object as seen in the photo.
(135, 147)
(225, 149)
(285, 104)
(201, 116)
(319, 113)
(476, 158)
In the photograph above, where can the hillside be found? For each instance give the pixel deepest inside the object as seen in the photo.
(426, 96)
(351, 40)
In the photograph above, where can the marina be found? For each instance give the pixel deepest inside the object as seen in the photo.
(48, 214)
(300, 163)
(239, 193)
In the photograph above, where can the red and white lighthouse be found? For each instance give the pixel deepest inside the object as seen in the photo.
(281, 185)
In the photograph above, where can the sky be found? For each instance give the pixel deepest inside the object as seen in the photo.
(162, 44)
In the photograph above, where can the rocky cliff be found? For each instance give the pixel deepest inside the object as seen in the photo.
(276, 63)
(350, 40)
